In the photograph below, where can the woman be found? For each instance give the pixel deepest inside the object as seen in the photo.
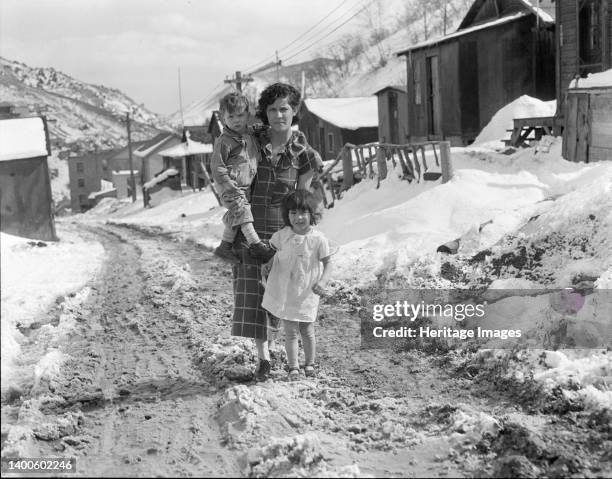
(285, 162)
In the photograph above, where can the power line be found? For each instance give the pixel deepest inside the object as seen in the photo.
(303, 36)
(323, 38)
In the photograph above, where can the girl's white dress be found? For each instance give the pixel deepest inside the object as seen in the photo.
(296, 268)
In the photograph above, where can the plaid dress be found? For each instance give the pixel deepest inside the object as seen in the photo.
(275, 178)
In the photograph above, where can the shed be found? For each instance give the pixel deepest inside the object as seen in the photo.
(392, 114)
(503, 49)
(330, 123)
(588, 119)
(26, 202)
(584, 41)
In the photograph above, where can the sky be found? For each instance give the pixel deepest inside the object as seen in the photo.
(138, 46)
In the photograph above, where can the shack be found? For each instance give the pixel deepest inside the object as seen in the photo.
(584, 42)
(330, 123)
(26, 207)
(456, 83)
(392, 114)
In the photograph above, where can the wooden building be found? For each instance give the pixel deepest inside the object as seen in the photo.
(502, 49)
(190, 157)
(26, 202)
(330, 123)
(584, 41)
(392, 114)
(148, 155)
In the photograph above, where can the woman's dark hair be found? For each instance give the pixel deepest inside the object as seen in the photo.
(273, 93)
(302, 200)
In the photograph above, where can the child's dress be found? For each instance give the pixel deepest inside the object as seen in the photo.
(296, 268)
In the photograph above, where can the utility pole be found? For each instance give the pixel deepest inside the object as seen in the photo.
(239, 80)
(278, 64)
(132, 182)
(180, 98)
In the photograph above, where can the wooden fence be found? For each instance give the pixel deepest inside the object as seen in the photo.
(358, 163)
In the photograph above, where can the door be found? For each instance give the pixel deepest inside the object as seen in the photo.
(468, 89)
(433, 97)
(393, 118)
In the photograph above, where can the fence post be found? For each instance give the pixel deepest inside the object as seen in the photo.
(445, 161)
(381, 163)
(347, 169)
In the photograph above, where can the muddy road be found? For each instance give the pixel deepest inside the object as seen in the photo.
(153, 385)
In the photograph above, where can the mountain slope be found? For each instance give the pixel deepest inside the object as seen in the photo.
(80, 115)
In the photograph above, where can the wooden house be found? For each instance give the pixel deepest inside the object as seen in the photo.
(189, 157)
(502, 49)
(26, 202)
(584, 41)
(330, 123)
(392, 114)
(148, 155)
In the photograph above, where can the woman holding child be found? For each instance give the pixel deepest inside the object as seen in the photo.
(285, 162)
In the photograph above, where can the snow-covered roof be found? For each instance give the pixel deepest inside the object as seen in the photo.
(22, 138)
(124, 172)
(350, 113)
(187, 148)
(161, 177)
(594, 80)
(145, 150)
(465, 31)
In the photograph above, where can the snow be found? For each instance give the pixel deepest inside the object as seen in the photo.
(350, 113)
(144, 153)
(191, 147)
(22, 138)
(161, 177)
(33, 277)
(593, 80)
(523, 107)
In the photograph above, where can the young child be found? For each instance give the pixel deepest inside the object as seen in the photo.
(296, 278)
(234, 165)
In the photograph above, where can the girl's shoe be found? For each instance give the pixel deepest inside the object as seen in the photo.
(310, 371)
(263, 372)
(294, 374)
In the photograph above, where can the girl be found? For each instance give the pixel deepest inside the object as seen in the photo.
(296, 279)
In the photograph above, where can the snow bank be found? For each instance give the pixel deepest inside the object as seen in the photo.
(33, 276)
(161, 177)
(523, 107)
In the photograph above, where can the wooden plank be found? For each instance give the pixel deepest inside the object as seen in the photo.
(601, 134)
(600, 154)
(601, 107)
(583, 126)
(570, 132)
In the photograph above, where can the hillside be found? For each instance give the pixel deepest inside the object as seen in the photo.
(357, 63)
(80, 115)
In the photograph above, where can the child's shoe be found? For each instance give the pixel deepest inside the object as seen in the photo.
(263, 371)
(294, 374)
(224, 251)
(262, 250)
(309, 371)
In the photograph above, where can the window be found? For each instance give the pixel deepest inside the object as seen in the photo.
(330, 142)
(81, 182)
(79, 167)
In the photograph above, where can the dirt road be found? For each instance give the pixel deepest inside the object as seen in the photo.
(153, 385)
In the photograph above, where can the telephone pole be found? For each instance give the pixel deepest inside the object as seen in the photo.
(239, 80)
(132, 182)
(278, 64)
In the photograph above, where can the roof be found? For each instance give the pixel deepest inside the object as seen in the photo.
(151, 145)
(482, 11)
(401, 88)
(187, 148)
(350, 113)
(528, 9)
(23, 138)
(197, 133)
(593, 80)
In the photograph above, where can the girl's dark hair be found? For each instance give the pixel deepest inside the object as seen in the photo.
(273, 93)
(302, 200)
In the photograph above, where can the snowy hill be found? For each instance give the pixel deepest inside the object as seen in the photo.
(80, 115)
(357, 64)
